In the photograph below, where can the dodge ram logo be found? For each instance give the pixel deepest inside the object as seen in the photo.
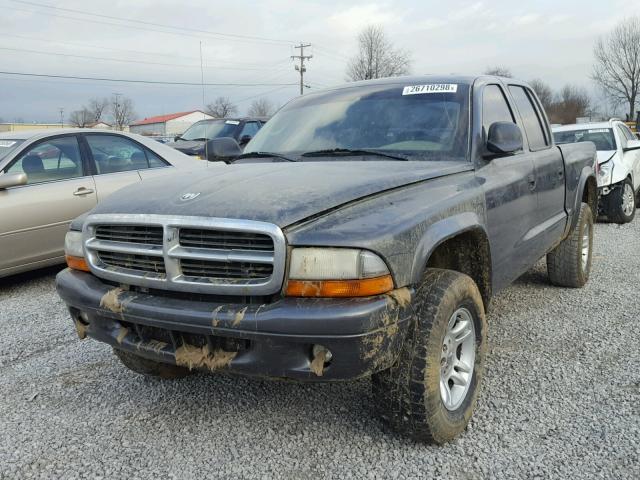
(189, 196)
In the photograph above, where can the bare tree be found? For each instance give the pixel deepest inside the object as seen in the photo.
(81, 118)
(377, 57)
(121, 110)
(97, 107)
(498, 71)
(544, 92)
(222, 107)
(617, 63)
(571, 103)
(261, 107)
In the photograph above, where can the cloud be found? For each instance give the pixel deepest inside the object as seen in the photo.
(355, 18)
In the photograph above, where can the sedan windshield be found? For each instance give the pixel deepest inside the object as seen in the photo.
(420, 122)
(602, 137)
(7, 146)
(210, 129)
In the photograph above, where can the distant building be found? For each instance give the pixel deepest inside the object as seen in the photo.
(20, 127)
(102, 125)
(171, 124)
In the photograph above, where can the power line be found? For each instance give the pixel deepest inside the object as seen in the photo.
(149, 82)
(137, 52)
(123, 60)
(230, 36)
(302, 57)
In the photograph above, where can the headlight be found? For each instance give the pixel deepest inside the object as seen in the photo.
(73, 251)
(604, 173)
(337, 272)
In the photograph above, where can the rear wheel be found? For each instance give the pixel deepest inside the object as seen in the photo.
(569, 264)
(430, 393)
(150, 368)
(621, 203)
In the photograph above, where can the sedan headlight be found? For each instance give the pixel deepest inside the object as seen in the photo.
(73, 251)
(604, 173)
(337, 272)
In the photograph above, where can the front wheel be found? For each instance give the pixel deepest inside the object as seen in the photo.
(569, 264)
(147, 367)
(621, 203)
(430, 393)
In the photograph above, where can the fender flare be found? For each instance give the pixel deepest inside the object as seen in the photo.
(439, 232)
(585, 175)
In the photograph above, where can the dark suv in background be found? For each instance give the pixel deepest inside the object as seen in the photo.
(194, 140)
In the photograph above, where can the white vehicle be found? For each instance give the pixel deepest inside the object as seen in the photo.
(619, 164)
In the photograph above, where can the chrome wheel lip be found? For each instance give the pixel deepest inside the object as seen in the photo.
(628, 200)
(457, 359)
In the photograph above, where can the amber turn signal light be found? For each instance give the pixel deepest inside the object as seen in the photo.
(77, 263)
(340, 288)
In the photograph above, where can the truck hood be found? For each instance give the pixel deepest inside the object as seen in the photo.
(280, 193)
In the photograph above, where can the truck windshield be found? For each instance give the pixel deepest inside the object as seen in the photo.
(602, 137)
(7, 146)
(210, 129)
(421, 122)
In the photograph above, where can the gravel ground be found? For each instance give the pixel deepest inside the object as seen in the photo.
(561, 398)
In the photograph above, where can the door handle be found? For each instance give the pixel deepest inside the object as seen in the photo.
(532, 182)
(82, 191)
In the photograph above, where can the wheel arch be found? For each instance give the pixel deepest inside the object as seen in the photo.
(458, 243)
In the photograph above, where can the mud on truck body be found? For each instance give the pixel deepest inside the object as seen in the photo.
(362, 233)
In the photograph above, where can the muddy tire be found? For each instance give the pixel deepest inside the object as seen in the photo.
(621, 203)
(569, 264)
(150, 368)
(430, 393)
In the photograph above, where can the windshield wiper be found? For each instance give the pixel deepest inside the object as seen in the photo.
(195, 139)
(346, 152)
(265, 155)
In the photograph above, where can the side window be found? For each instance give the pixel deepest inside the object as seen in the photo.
(628, 133)
(250, 128)
(55, 159)
(533, 125)
(154, 160)
(623, 136)
(494, 107)
(112, 154)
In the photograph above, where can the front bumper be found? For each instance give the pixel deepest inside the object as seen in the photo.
(277, 339)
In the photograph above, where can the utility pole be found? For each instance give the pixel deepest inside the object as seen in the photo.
(61, 117)
(301, 68)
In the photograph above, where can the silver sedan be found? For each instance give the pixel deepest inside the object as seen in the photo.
(47, 178)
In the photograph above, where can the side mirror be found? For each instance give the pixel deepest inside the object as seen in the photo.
(222, 149)
(245, 139)
(632, 145)
(504, 138)
(12, 180)
(176, 138)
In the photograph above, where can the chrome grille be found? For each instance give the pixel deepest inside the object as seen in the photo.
(188, 254)
(209, 269)
(130, 234)
(202, 238)
(130, 261)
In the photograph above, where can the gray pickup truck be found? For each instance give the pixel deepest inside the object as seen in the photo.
(362, 232)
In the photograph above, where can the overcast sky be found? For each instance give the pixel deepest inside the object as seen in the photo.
(551, 40)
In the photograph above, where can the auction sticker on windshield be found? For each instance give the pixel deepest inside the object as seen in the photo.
(232, 122)
(431, 88)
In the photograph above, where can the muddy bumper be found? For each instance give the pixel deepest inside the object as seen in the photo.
(303, 339)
